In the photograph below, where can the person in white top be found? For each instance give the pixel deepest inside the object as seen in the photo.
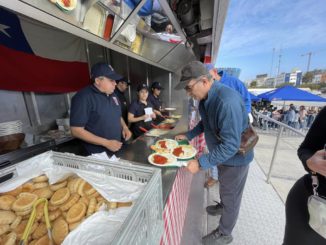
(302, 117)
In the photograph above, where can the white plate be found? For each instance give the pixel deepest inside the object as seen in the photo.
(170, 144)
(170, 109)
(156, 132)
(169, 120)
(11, 124)
(176, 116)
(189, 152)
(61, 5)
(172, 160)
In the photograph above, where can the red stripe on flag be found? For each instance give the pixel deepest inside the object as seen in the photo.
(30, 73)
(207, 59)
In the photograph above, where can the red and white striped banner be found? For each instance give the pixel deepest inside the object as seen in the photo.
(198, 142)
(208, 54)
(175, 209)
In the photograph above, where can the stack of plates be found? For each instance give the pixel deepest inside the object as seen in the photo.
(12, 127)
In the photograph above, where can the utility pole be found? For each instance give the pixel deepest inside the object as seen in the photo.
(279, 62)
(309, 59)
(271, 72)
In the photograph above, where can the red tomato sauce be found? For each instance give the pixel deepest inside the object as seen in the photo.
(162, 144)
(177, 151)
(160, 159)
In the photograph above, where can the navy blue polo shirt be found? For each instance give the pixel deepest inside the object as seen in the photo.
(155, 101)
(99, 114)
(138, 109)
(123, 104)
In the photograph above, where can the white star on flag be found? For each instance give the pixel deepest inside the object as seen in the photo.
(3, 29)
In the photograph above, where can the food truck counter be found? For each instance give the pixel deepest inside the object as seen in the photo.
(139, 150)
(136, 151)
(176, 182)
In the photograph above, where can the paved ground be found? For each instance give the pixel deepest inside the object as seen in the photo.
(287, 167)
(262, 215)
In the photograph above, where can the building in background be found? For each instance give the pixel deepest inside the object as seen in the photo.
(295, 77)
(282, 78)
(260, 79)
(234, 72)
(248, 82)
(323, 78)
(270, 82)
(317, 78)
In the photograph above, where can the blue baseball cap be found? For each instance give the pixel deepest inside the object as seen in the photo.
(156, 85)
(105, 70)
(124, 79)
(209, 66)
(142, 86)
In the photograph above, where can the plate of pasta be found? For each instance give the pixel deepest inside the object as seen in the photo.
(164, 146)
(184, 152)
(162, 159)
(66, 5)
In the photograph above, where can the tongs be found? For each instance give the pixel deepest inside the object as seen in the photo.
(155, 126)
(143, 129)
(163, 126)
(27, 231)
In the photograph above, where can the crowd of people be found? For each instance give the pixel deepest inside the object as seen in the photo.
(300, 117)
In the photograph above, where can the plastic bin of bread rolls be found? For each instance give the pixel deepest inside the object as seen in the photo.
(143, 224)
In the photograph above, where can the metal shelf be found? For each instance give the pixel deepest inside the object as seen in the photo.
(71, 22)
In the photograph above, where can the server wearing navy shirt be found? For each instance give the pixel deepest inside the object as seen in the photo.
(137, 115)
(122, 86)
(154, 98)
(96, 114)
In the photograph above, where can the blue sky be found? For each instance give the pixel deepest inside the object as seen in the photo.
(254, 27)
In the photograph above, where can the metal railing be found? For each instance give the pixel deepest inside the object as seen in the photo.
(281, 130)
(267, 125)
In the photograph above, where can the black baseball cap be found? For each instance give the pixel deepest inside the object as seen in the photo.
(193, 70)
(105, 70)
(142, 86)
(156, 85)
(124, 79)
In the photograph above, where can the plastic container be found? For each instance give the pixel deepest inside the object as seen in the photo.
(144, 224)
(63, 124)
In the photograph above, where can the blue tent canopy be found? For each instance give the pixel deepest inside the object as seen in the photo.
(290, 93)
(254, 98)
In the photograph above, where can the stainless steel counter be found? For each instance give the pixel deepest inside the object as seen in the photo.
(139, 150)
(136, 151)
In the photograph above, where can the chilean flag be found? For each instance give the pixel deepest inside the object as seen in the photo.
(35, 57)
(208, 56)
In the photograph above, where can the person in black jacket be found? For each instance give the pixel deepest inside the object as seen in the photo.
(311, 153)
(120, 89)
(140, 121)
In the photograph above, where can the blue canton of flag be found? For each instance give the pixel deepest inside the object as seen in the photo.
(11, 33)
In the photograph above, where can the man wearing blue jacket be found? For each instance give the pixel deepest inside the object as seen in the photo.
(223, 119)
(231, 82)
(237, 85)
